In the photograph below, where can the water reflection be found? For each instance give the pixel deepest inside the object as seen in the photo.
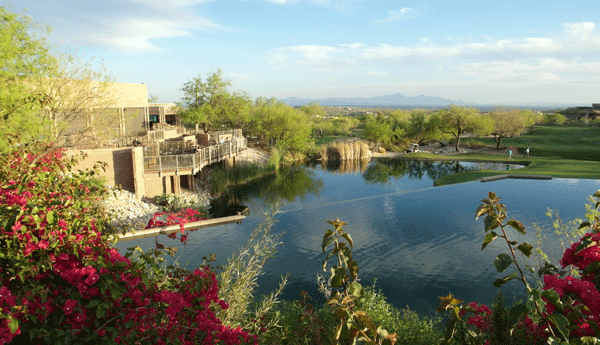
(383, 170)
(418, 241)
(287, 184)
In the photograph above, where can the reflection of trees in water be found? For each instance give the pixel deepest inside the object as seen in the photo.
(287, 184)
(345, 166)
(382, 170)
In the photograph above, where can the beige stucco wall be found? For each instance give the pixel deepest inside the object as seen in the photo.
(129, 95)
(119, 169)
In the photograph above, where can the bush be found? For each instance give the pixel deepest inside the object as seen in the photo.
(62, 282)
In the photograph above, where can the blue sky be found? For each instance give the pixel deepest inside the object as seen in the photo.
(504, 54)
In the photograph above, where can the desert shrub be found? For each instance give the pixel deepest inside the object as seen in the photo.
(406, 323)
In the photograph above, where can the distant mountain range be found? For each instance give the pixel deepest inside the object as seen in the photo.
(399, 100)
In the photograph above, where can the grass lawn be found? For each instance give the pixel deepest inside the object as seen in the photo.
(559, 151)
(551, 166)
(570, 142)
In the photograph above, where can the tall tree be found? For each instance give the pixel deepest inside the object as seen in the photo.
(46, 94)
(457, 121)
(279, 125)
(509, 123)
(24, 54)
(210, 102)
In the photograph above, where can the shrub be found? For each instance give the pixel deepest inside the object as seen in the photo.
(62, 282)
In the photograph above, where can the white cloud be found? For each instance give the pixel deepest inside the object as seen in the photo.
(313, 52)
(546, 76)
(171, 3)
(394, 16)
(352, 45)
(136, 33)
(281, 2)
(581, 30)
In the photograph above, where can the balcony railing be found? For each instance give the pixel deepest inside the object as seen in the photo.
(194, 161)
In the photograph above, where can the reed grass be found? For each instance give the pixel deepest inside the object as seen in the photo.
(345, 150)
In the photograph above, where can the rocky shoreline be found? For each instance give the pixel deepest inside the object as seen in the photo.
(128, 212)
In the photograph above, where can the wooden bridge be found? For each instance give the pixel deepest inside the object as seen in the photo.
(178, 158)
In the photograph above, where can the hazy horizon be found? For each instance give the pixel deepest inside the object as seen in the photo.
(484, 53)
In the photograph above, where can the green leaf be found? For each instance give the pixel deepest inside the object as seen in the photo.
(482, 209)
(93, 304)
(50, 217)
(584, 225)
(517, 225)
(349, 239)
(353, 267)
(490, 223)
(516, 312)
(500, 282)
(526, 249)
(561, 323)
(13, 324)
(337, 277)
(489, 237)
(552, 296)
(356, 289)
(502, 262)
(585, 341)
(591, 267)
(326, 242)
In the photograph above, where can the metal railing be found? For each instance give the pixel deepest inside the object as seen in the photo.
(194, 161)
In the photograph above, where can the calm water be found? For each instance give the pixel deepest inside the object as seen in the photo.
(418, 241)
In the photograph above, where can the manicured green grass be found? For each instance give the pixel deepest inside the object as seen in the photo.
(551, 166)
(570, 142)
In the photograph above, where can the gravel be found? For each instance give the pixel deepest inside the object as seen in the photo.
(129, 212)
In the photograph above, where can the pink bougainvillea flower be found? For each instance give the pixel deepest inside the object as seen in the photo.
(69, 306)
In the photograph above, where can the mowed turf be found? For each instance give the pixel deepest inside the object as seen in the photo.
(557, 151)
(570, 142)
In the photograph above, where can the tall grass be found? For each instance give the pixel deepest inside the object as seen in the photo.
(345, 150)
(238, 281)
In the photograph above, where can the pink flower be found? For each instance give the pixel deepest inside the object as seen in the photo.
(69, 306)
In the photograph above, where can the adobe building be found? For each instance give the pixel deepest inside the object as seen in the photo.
(149, 153)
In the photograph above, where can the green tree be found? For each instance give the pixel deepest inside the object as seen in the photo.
(24, 54)
(210, 102)
(279, 125)
(510, 123)
(457, 121)
(46, 93)
(385, 129)
(313, 110)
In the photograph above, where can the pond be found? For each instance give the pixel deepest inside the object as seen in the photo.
(417, 241)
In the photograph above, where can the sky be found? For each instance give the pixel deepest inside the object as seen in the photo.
(498, 53)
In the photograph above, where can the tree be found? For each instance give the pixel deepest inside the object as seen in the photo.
(279, 125)
(153, 99)
(510, 123)
(313, 110)
(210, 102)
(457, 121)
(76, 102)
(385, 129)
(24, 54)
(46, 94)
(423, 126)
